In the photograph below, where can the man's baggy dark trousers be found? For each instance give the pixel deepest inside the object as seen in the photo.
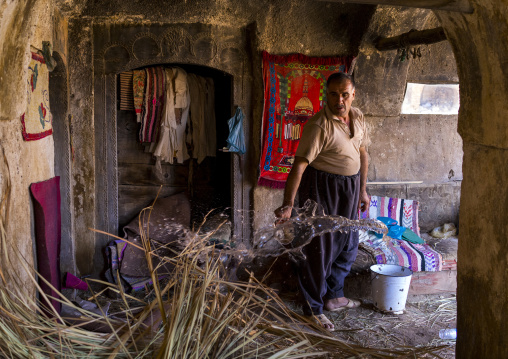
(329, 256)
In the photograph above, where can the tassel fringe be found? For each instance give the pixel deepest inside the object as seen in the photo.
(271, 183)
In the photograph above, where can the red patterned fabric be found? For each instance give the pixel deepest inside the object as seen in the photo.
(153, 104)
(47, 218)
(37, 119)
(295, 89)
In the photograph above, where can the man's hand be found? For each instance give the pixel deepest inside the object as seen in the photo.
(283, 213)
(364, 201)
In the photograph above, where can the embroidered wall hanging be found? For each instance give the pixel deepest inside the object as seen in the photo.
(295, 90)
(37, 119)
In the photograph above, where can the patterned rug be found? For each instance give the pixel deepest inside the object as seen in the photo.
(295, 89)
(37, 118)
(404, 211)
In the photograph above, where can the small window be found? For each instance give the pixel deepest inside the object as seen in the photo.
(431, 99)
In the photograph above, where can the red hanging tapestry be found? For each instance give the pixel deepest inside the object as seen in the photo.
(295, 90)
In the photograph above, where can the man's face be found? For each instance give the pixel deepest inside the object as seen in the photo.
(340, 95)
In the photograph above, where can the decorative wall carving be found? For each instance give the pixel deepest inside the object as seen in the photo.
(204, 47)
(173, 40)
(146, 46)
(168, 44)
(115, 58)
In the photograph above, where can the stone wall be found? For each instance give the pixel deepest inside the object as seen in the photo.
(114, 33)
(22, 24)
(328, 29)
(279, 27)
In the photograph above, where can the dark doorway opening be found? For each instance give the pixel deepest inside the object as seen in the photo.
(208, 184)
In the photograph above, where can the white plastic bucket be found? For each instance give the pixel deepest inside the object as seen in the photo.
(390, 285)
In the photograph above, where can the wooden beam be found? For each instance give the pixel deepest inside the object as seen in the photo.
(411, 38)
(447, 5)
(387, 183)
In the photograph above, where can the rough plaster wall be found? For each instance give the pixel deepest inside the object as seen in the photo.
(23, 23)
(479, 44)
(415, 148)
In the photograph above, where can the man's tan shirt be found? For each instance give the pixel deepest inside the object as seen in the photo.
(327, 143)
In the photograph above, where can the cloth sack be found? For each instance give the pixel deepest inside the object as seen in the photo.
(387, 221)
(396, 231)
(236, 139)
(412, 237)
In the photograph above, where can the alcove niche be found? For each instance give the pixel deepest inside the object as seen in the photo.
(211, 51)
(208, 184)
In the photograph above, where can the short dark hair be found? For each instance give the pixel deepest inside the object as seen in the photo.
(340, 77)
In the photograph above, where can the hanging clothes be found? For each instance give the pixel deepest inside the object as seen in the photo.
(175, 116)
(126, 91)
(153, 104)
(138, 90)
(182, 107)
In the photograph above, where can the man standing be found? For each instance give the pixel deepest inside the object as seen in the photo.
(330, 167)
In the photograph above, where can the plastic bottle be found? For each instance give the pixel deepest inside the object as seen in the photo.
(448, 333)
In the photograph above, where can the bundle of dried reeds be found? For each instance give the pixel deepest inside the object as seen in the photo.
(195, 313)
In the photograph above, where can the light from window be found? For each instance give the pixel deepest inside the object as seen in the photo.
(431, 99)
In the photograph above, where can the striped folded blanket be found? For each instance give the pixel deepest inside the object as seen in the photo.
(115, 252)
(417, 257)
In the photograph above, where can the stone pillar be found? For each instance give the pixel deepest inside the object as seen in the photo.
(81, 108)
(479, 44)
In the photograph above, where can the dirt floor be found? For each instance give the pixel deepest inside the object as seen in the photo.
(423, 317)
(365, 326)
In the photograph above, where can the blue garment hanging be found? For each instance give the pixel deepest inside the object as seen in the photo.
(236, 139)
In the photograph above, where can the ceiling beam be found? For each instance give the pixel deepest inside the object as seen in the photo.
(411, 38)
(447, 5)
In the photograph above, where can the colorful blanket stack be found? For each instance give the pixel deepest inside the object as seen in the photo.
(417, 257)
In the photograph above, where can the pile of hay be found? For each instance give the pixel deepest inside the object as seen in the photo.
(195, 313)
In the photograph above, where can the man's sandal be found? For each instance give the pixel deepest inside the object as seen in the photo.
(322, 321)
(351, 303)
